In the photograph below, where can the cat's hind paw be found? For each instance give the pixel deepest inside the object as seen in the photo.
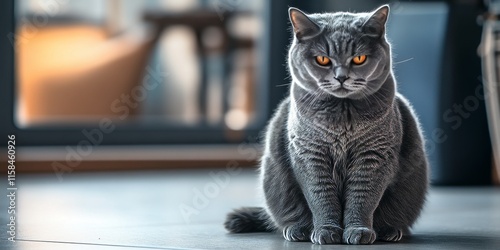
(327, 234)
(359, 235)
(390, 234)
(296, 233)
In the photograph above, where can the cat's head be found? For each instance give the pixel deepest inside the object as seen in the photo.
(343, 54)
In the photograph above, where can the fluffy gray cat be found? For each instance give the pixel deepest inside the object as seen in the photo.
(344, 160)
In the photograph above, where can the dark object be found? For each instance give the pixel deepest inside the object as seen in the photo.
(465, 157)
(438, 70)
(489, 54)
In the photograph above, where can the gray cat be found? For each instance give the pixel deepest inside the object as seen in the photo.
(344, 160)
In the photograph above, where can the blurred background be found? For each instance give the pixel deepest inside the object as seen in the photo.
(159, 84)
(150, 63)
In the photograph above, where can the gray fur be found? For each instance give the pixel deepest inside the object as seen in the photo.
(343, 162)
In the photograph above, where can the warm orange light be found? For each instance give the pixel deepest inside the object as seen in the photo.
(74, 72)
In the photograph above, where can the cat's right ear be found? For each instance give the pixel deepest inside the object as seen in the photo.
(303, 26)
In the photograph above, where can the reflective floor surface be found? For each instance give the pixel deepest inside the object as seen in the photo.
(185, 210)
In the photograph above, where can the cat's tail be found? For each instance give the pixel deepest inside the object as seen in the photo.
(249, 219)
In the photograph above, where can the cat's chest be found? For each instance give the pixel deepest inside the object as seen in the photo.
(338, 131)
(338, 137)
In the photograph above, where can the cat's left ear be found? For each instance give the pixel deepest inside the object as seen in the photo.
(375, 25)
(303, 26)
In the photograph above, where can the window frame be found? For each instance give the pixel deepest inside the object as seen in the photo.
(273, 76)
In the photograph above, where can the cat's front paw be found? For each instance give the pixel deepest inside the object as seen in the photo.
(359, 235)
(296, 233)
(327, 234)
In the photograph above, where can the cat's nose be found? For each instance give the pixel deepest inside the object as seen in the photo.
(341, 74)
(341, 78)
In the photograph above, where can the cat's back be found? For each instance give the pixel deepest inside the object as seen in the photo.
(276, 132)
(409, 119)
(280, 115)
(412, 153)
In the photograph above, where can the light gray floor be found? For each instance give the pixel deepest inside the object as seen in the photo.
(185, 210)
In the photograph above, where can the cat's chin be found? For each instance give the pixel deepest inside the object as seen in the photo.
(343, 93)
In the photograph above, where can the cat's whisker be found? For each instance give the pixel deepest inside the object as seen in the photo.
(308, 103)
(310, 98)
(403, 61)
(282, 85)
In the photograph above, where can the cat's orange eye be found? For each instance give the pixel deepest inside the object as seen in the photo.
(323, 60)
(358, 60)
